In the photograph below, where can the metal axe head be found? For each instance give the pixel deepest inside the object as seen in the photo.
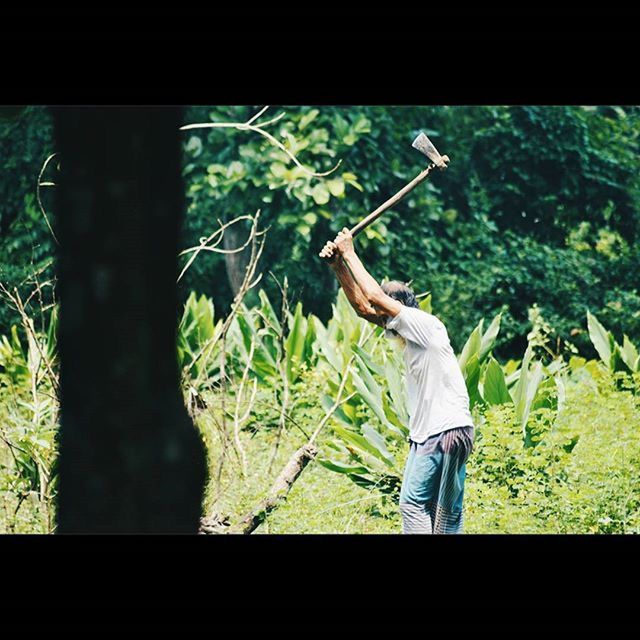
(424, 145)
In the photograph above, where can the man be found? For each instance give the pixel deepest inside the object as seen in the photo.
(441, 431)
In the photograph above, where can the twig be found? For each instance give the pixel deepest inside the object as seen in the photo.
(247, 126)
(279, 490)
(45, 184)
(257, 246)
(237, 420)
(282, 367)
(205, 246)
(27, 323)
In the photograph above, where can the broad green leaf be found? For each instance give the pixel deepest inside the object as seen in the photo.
(392, 416)
(397, 390)
(308, 118)
(365, 445)
(309, 339)
(495, 388)
(368, 360)
(376, 440)
(342, 468)
(617, 361)
(489, 337)
(425, 303)
(630, 354)
(351, 179)
(295, 342)
(472, 378)
(546, 394)
(523, 408)
(370, 392)
(331, 354)
(52, 334)
(336, 187)
(518, 390)
(600, 338)
(471, 347)
(267, 310)
(320, 194)
(327, 403)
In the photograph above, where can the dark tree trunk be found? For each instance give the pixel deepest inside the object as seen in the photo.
(236, 263)
(130, 457)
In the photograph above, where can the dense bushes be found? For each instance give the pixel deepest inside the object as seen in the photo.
(536, 220)
(583, 477)
(539, 205)
(562, 457)
(26, 245)
(557, 447)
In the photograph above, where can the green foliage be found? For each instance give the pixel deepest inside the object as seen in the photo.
(535, 224)
(494, 233)
(614, 356)
(555, 448)
(379, 386)
(26, 245)
(523, 472)
(28, 426)
(582, 477)
(572, 171)
(197, 341)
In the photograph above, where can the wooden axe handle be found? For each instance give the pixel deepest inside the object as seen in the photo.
(374, 215)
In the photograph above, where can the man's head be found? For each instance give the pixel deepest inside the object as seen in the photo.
(403, 294)
(400, 292)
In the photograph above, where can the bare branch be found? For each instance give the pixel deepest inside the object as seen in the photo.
(45, 184)
(247, 126)
(205, 246)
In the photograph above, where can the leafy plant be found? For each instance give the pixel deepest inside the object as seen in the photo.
(614, 356)
(29, 415)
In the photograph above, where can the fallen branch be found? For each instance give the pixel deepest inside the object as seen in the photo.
(291, 472)
(279, 490)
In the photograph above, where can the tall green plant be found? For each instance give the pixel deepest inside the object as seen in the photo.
(614, 356)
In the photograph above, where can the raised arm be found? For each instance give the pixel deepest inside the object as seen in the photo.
(372, 298)
(353, 292)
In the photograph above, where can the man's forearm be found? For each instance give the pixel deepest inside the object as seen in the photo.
(351, 289)
(363, 279)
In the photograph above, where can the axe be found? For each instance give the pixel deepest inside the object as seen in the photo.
(423, 144)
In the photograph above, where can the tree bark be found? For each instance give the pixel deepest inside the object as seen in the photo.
(279, 490)
(236, 263)
(130, 457)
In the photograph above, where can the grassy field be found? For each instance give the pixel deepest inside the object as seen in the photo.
(568, 462)
(594, 488)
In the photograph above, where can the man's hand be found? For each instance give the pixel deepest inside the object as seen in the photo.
(329, 252)
(341, 246)
(344, 242)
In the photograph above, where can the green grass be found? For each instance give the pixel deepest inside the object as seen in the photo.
(594, 488)
(320, 501)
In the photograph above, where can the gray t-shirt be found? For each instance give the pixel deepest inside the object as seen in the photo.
(437, 394)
